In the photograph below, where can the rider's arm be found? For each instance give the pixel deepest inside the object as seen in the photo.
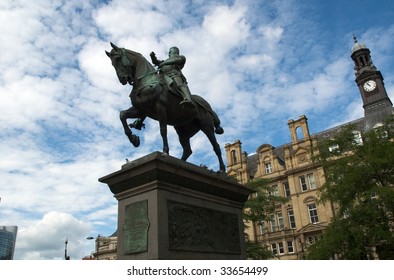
(154, 59)
(174, 60)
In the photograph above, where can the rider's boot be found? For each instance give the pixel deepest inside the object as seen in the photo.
(137, 124)
(187, 98)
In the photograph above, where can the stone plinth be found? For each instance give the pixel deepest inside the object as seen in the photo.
(171, 209)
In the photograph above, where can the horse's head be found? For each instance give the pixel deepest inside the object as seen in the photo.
(122, 64)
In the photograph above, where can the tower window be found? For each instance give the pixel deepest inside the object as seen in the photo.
(233, 157)
(300, 134)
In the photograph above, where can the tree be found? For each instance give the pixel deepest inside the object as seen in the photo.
(360, 183)
(259, 206)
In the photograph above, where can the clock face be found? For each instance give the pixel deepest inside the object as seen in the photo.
(369, 85)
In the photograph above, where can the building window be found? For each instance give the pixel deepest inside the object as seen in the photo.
(274, 249)
(272, 223)
(233, 157)
(290, 247)
(311, 181)
(304, 186)
(313, 217)
(279, 216)
(333, 147)
(312, 239)
(274, 191)
(286, 189)
(357, 137)
(281, 248)
(307, 182)
(300, 133)
(262, 227)
(292, 222)
(276, 222)
(268, 168)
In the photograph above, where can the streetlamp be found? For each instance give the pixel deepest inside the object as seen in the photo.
(97, 245)
(67, 258)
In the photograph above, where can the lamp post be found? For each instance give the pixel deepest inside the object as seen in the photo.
(97, 245)
(67, 258)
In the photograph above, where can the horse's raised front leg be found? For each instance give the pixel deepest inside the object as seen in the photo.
(131, 113)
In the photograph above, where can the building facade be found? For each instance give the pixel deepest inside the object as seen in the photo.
(7, 242)
(301, 221)
(106, 247)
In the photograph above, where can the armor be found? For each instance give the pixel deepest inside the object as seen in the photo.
(171, 69)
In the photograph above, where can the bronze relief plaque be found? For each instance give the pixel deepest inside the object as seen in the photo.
(136, 227)
(199, 229)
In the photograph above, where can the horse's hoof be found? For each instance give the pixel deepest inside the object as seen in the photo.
(135, 140)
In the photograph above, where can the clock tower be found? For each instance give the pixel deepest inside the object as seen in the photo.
(369, 80)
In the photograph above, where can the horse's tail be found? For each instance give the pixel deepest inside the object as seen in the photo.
(207, 107)
(216, 123)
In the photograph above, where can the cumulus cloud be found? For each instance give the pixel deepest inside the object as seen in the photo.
(45, 239)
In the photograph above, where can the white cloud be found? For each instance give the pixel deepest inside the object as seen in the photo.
(45, 239)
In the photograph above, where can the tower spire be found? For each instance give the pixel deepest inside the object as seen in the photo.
(354, 38)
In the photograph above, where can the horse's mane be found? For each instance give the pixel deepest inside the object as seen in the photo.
(133, 53)
(140, 57)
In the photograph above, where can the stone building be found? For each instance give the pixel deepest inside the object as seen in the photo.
(106, 248)
(299, 222)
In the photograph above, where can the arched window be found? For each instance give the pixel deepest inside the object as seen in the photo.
(233, 157)
(300, 134)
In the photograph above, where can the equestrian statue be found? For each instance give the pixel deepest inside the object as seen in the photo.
(162, 94)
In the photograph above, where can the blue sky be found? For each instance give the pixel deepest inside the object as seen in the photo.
(259, 63)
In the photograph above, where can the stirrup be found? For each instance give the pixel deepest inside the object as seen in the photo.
(137, 124)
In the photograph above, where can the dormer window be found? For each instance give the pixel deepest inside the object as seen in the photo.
(268, 168)
(267, 165)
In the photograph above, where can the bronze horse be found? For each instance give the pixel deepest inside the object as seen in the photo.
(152, 98)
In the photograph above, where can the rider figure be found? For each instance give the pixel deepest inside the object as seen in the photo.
(171, 71)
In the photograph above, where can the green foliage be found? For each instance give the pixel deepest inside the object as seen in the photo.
(257, 208)
(256, 251)
(360, 181)
(263, 201)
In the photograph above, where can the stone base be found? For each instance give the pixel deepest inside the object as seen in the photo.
(171, 209)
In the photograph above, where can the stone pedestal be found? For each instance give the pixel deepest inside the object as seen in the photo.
(171, 209)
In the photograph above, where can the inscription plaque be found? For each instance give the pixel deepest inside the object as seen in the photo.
(199, 229)
(136, 226)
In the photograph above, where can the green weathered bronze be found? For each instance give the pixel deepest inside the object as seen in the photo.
(136, 226)
(199, 229)
(162, 94)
